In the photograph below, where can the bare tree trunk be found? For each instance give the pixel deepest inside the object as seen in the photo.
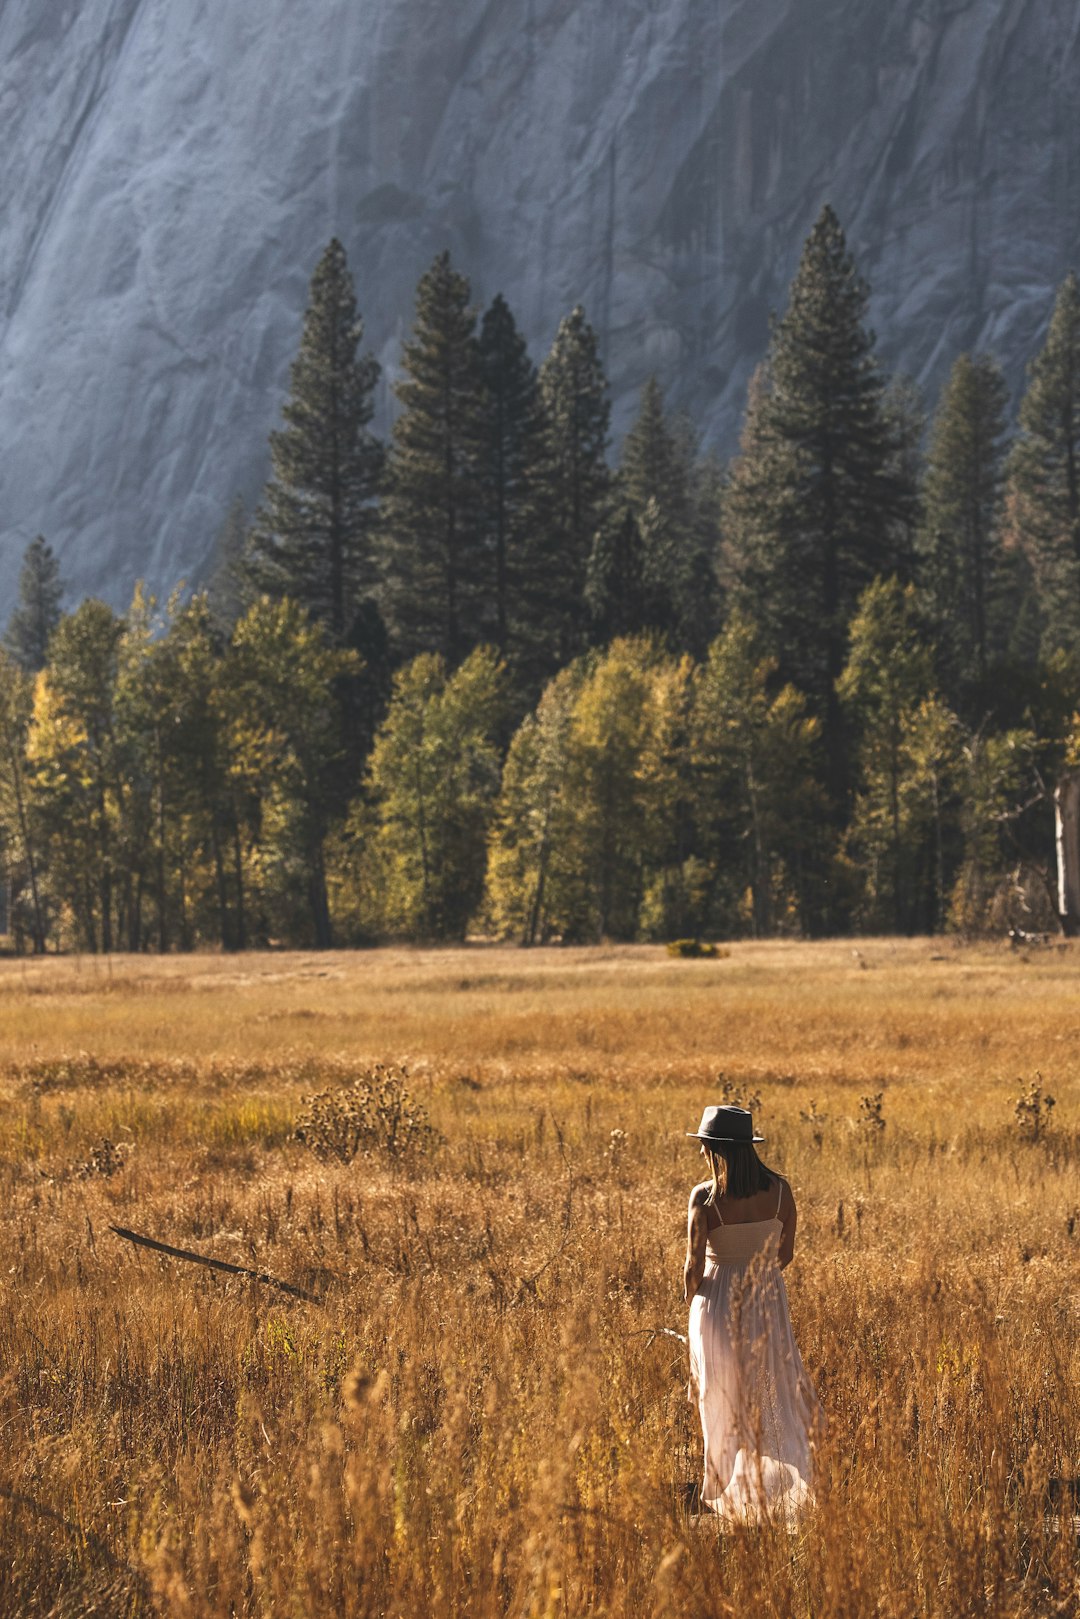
(227, 941)
(238, 868)
(1067, 818)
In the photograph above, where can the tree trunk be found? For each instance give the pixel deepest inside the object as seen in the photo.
(1067, 818)
(320, 904)
(222, 888)
(238, 867)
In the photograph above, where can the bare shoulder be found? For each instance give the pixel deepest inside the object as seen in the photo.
(700, 1195)
(787, 1196)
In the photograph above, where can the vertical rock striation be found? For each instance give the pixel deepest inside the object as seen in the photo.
(172, 169)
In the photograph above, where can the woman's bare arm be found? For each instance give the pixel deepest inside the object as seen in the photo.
(696, 1230)
(788, 1217)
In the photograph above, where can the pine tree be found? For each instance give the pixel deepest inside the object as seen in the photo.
(227, 583)
(509, 454)
(657, 476)
(435, 575)
(38, 610)
(615, 591)
(905, 425)
(575, 485)
(312, 537)
(814, 504)
(959, 543)
(1043, 491)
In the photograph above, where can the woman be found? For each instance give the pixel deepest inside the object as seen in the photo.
(757, 1404)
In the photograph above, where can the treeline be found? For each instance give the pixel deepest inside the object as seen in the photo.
(476, 678)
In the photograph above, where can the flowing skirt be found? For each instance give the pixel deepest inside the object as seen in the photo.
(757, 1404)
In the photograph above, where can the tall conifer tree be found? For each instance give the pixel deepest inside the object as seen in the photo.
(814, 501)
(656, 481)
(509, 455)
(312, 537)
(433, 563)
(1043, 497)
(615, 591)
(961, 564)
(38, 611)
(575, 488)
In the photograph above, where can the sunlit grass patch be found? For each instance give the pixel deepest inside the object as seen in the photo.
(487, 1416)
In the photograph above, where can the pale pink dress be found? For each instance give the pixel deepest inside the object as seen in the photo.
(757, 1404)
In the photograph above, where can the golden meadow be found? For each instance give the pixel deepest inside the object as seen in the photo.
(486, 1415)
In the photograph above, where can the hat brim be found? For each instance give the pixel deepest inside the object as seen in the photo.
(734, 1141)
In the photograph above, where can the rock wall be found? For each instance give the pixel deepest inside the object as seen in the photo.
(171, 170)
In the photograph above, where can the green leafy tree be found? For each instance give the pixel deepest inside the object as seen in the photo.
(312, 536)
(38, 610)
(589, 808)
(756, 800)
(180, 814)
(79, 778)
(1043, 489)
(813, 506)
(529, 842)
(962, 567)
(997, 785)
(17, 828)
(284, 744)
(436, 578)
(432, 783)
(907, 741)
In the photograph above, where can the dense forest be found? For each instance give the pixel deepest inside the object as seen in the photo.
(478, 679)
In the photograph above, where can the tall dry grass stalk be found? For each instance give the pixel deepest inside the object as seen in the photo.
(485, 1417)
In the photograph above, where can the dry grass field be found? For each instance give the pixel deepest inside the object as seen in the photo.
(483, 1416)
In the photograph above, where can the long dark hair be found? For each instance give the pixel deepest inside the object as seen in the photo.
(737, 1171)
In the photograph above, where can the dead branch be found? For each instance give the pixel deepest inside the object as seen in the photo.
(214, 1264)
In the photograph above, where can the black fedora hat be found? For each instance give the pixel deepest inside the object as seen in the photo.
(726, 1123)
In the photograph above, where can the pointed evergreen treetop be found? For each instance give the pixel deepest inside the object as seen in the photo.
(38, 611)
(312, 536)
(432, 570)
(575, 482)
(826, 386)
(1044, 473)
(510, 454)
(962, 564)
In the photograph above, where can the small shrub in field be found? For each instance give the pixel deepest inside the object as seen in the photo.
(616, 1147)
(372, 1114)
(871, 1116)
(695, 950)
(104, 1160)
(1032, 1111)
(733, 1095)
(817, 1122)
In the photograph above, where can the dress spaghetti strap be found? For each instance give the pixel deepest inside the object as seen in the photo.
(780, 1199)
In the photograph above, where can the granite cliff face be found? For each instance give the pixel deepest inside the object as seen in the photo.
(171, 169)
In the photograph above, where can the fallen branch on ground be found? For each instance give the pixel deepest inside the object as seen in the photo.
(214, 1264)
